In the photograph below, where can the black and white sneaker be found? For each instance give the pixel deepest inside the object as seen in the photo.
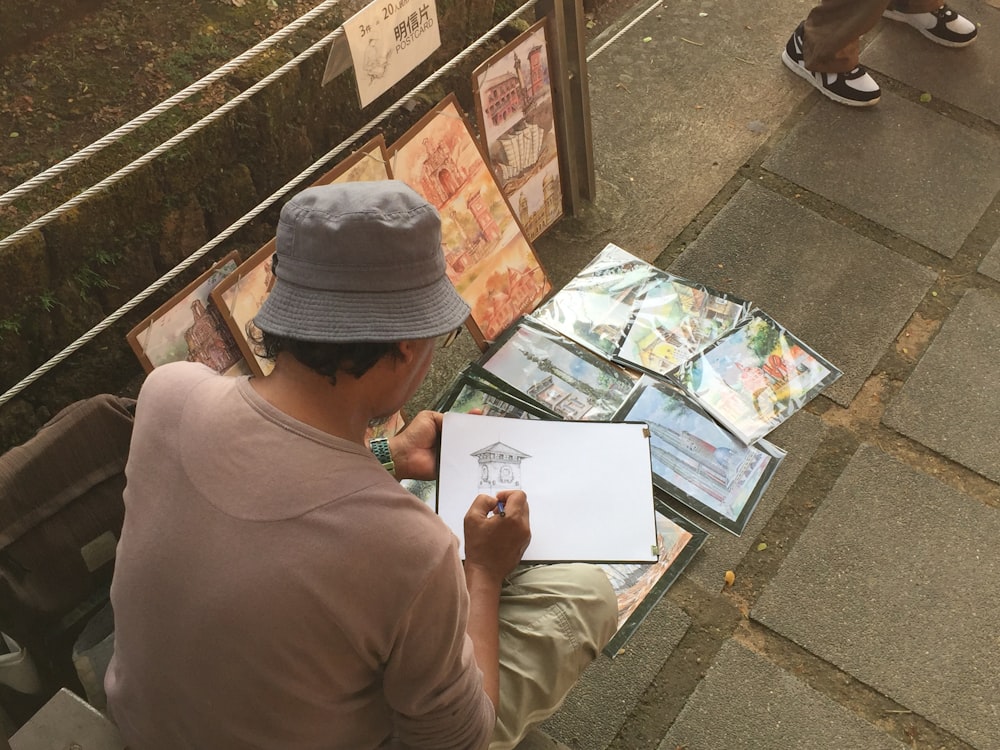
(855, 88)
(943, 26)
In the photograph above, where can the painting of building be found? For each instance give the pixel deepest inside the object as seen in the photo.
(563, 401)
(489, 259)
(208, 340)
(189, 327)
(517, 125)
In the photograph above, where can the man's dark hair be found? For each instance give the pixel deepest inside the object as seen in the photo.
(354, 358)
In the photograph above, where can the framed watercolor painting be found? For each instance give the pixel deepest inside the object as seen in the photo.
(189, 327)
(238, 298)
(517, 125)
(755, 377)
(698, 462)
(640, 586)
(369, 163)
(489, 260)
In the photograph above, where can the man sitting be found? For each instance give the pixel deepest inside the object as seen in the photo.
(275, 587)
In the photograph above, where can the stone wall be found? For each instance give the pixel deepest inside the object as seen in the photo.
(60, 281)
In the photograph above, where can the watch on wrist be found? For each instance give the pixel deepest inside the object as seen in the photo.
(380, 447)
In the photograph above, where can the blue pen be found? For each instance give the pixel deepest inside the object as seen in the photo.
(500, 511)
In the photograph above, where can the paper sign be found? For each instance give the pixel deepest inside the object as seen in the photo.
(388, 39)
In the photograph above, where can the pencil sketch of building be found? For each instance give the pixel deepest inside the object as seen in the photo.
(499, 467)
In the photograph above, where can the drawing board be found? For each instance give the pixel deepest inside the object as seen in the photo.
(588, 484)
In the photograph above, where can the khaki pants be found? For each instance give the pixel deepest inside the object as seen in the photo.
(554, 620)
(834, 27)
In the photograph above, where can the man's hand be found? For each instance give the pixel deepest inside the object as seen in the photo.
(493, 548)
(494, 543)
(415, 449)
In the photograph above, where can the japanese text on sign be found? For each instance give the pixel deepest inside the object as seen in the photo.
(388, 39)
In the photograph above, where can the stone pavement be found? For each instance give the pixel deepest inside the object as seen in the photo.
(870, 619)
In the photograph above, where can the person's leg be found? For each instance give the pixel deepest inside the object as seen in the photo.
(554, 620)
(832, 32)
(934, 20)
(824, 48)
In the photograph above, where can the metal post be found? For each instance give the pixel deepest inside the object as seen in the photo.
(571, 98)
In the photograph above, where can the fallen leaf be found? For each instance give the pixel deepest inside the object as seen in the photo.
(925, 97)
(647, 39)
(730, 578)
(762, 546)
(15, 134)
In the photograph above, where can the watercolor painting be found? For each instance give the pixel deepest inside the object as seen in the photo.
(640, 587)
(558, 374)
(697, 461)
(489, 260)
(515, 115)
(755, 377)
(190, 327)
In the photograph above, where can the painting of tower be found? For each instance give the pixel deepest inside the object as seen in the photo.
(481, 212)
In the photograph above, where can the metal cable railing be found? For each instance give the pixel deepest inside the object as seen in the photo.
(116, 135)
(411, 96)
(149, 156)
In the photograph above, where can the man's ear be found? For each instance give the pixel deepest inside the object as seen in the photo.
(407, 352)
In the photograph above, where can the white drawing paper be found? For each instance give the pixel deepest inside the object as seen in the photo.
(589, 484)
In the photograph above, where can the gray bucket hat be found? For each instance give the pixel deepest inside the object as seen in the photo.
(360, 261)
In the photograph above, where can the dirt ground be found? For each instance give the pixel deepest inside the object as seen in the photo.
(105, 67)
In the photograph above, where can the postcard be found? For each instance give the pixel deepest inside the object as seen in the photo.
(640, 587)
(698, 462)
(489, 260)
(569, 472)
(755, 377)
(516, 120)
(387, 41)
(556, 373)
